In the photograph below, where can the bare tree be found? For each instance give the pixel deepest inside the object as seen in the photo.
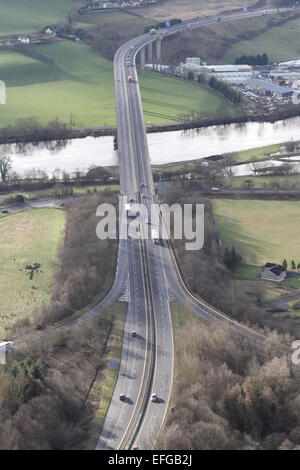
(5, 166)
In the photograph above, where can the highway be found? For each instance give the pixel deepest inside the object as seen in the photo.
(147, 276)
(148, 359)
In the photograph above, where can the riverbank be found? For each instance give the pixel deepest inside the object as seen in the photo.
(70, 134)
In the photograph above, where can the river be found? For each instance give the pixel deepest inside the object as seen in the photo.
(165, 147)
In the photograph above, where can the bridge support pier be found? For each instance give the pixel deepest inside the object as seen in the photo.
(158, 51)
(150, 53)
(142, 59)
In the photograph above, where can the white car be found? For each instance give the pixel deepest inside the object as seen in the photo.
(147, 221)
(144, 195)
(133, 334)
(154, 397)
(122, 397)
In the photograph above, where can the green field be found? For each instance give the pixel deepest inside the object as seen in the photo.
(173, 99)
(262, 231)
(81, 82)
(27, 238)
(290, 181)
(254, 155)
(26, 16)
(122, 22)
(281, 43)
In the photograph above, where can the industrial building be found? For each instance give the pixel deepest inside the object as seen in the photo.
(269, 88)
(229, 73)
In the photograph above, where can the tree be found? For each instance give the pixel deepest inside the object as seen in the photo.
(293, 264)
(5, 166)
(98, 173)
(231, 258)
(298, 266)
(284, 264)
(248, 184)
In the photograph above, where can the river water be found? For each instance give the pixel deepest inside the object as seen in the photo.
(165, 147)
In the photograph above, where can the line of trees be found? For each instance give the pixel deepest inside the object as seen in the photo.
(31, 129)
(162, 24)
(259, 59)
(226, 90)
(293, 264)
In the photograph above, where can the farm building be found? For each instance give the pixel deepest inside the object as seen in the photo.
(273, 272)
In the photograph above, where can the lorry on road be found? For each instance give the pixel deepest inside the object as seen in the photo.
(155, 236)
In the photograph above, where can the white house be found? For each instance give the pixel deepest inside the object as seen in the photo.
(24, 39)
(273, 272)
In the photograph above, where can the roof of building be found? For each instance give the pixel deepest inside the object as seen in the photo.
(270, 265)
(269, 86)
(276, 269)
(229, 68)
(162, 187)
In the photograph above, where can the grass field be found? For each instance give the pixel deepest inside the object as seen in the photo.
(173, 98)
(252, 155)
(281, 43)
(122, 22)
(81, 82)
(262, 231)
(30, 15)
(290, 181)
(27, 238)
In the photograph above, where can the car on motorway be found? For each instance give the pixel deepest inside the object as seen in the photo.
(122, 397)
(144, 195)
(133, 334)
(142, 185)
(130, 79)
(154, 397)
(133, 236)
(4, 211)
(147, 221)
